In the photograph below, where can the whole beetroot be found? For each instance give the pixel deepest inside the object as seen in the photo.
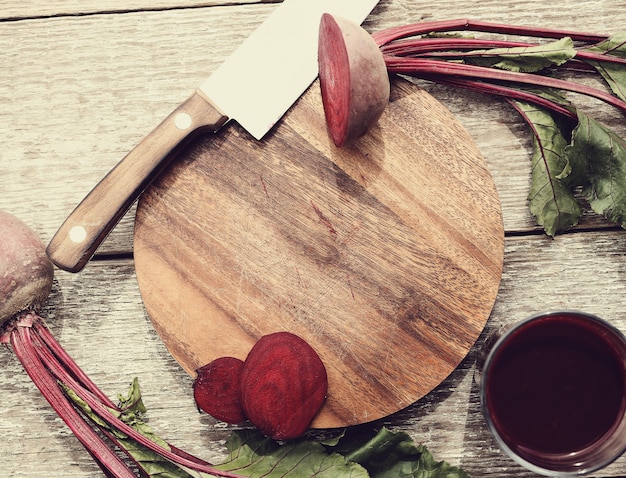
(26, 273)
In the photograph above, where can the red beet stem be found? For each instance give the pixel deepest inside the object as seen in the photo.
(509, 94)
(391, 34)
(439, 68)
(49, 365)
(69, 363)
(25, 351)
(455, 48)
(436, 46)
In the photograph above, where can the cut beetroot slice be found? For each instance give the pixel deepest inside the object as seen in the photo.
(217, 389)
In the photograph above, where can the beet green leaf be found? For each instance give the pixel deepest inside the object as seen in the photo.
(358, 452)
(604, 153)
(252, 454)
(550, 199)
(525, 59)
(387, 454)
(613, 73)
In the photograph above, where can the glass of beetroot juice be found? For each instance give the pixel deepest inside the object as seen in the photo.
(553, 392)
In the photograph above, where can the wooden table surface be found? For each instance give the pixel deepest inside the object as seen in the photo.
(82, 82)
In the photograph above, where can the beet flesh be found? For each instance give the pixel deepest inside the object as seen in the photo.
(353, 79)
(217, 389)
(283, 385)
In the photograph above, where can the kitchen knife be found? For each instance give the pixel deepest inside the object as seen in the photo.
(255, 87)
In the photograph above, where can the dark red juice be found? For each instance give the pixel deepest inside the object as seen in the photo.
(556, 387)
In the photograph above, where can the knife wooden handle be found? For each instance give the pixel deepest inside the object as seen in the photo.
(88, 225)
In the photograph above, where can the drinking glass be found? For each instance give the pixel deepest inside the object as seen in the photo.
(553, 392)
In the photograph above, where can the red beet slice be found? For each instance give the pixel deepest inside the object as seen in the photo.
(217, 390)
(283, 385)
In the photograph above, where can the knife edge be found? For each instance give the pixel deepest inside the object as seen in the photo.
(269, 71)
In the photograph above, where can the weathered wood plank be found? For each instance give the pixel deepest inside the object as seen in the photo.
(32, 9)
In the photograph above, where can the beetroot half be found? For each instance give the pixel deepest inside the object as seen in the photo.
(353, 79)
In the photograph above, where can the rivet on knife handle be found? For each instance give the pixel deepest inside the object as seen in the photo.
(88, 225)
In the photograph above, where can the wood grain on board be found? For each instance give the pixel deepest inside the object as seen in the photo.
(385, 256)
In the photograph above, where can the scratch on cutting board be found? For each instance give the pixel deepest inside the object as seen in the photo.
(243, 273)
(264, 186)
(299, 277)
(323, 219)
(350, 285)
(351, 236)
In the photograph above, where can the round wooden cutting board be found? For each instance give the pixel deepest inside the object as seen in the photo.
(385, 256)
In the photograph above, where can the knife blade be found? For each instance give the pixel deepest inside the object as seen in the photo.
(255, 86)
